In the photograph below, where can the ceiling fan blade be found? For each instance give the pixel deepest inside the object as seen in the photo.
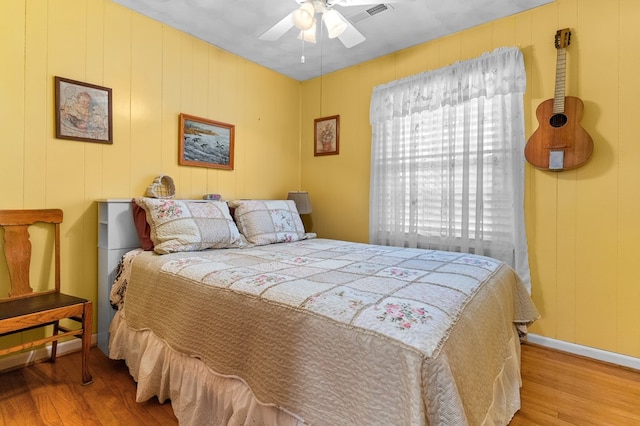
(278, 29)
(347, 3)
(351, 36)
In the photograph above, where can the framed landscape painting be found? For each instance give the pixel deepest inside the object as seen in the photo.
(205, 143)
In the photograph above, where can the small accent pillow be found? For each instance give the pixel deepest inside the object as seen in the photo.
(189, 226)
(268, 221)
(142, 227)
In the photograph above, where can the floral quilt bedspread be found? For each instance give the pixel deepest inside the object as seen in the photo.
(356, 315)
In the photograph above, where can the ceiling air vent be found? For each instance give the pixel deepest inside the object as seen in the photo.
(374, 10)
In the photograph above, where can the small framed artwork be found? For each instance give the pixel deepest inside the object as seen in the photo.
(205, 143)
(326, 135)
(83, 111)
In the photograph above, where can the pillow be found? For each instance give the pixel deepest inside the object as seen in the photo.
(142, 227)
(144, 230)
(189, 225)
(268, 221)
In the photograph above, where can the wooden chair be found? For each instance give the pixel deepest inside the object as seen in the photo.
(25, 309)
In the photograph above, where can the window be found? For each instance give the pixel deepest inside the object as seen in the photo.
(447, 166)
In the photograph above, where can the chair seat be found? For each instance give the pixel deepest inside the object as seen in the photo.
(15, 308)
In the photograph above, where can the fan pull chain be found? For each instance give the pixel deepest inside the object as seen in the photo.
(302, 56)
(321, 71)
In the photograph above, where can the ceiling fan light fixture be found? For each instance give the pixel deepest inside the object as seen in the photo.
(334, 23)
(310, 34)
(303, 17)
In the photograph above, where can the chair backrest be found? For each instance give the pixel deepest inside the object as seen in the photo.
(17, 247)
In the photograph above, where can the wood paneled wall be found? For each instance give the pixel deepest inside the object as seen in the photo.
(155, 73)
(583, 227)
(582, 224)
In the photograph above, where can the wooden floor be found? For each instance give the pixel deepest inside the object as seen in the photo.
(52, 394)
(563, 389)
(558, 389)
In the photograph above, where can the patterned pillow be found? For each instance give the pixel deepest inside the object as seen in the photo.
(189, 225)
(268, 221)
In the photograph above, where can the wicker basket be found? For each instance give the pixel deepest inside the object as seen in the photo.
(162, 187)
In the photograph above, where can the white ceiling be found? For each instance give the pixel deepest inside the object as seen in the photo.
(235, 25)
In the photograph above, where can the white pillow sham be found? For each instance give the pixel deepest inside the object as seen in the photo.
(269, 221)
(189, 225)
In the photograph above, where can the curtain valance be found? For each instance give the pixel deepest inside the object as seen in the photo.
(496, 73)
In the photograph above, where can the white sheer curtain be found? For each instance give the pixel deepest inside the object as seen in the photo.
(447, 160)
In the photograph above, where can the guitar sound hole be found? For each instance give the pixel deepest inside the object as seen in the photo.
(558, 120)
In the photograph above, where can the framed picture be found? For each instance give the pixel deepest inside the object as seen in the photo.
(326, 135)
(205, 143)
(83, 111)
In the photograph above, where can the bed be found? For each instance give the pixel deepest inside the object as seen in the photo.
(243, 318)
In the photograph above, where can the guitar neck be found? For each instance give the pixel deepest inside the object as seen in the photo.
(561, 67)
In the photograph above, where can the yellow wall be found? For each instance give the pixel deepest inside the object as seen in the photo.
(156, 73)
(583, 225)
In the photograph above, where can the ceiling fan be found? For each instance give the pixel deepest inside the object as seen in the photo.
(336, 24)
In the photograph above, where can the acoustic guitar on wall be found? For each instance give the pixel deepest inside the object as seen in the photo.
(559, 142)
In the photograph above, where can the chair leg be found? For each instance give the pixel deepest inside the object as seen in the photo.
(54, 344)
(86, 342)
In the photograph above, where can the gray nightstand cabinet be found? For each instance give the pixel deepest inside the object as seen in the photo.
(116, 236)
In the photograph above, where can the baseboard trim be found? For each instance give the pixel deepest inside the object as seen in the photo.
(23, 359)
(589, 352)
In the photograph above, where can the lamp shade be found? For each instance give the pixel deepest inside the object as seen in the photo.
(302, 200)
(310, 34)
(334, 23)
(303, 17)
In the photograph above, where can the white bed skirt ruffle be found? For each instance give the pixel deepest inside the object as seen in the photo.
(506, 388)
(198, 395)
